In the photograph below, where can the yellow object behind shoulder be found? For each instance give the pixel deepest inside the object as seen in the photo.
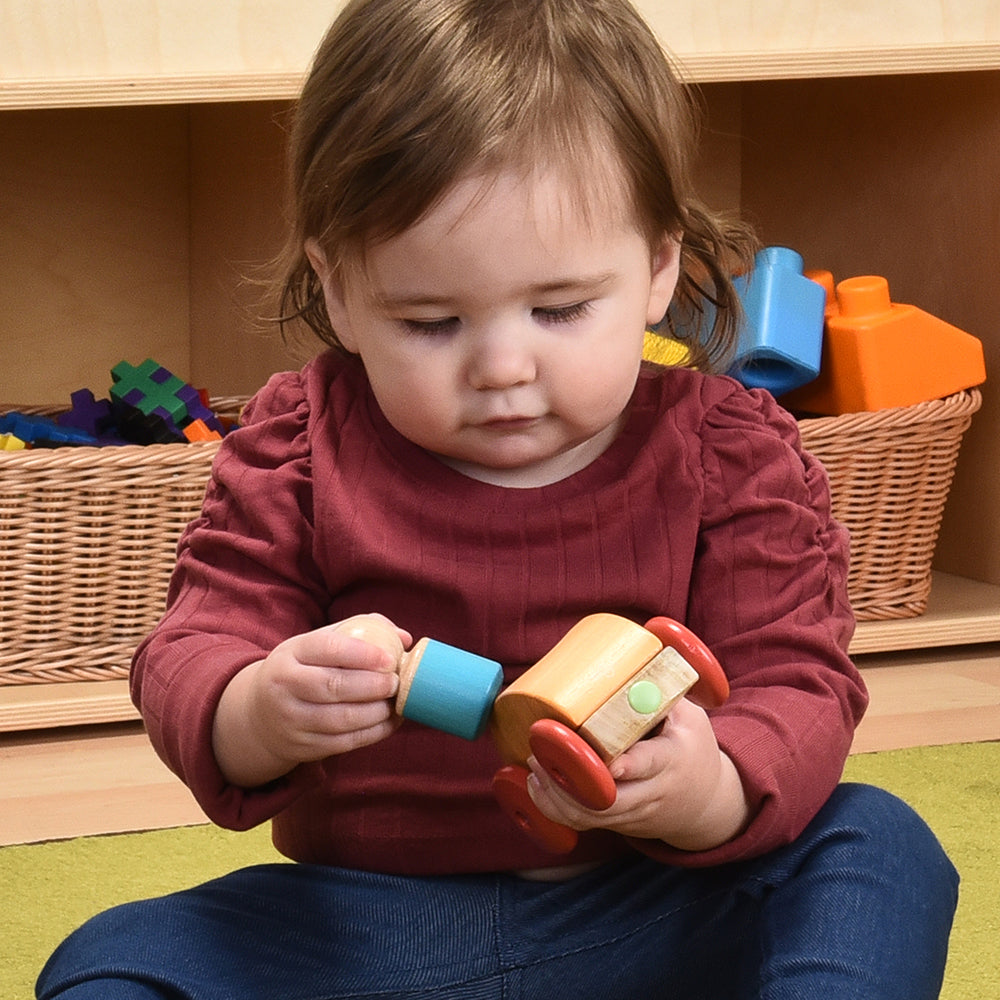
(665, 351)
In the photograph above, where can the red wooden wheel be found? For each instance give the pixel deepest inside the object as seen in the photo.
(572, 763)
(712, 687)
(510, 786)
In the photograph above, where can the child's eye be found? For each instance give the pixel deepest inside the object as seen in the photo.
(431, 327)
(562, 314)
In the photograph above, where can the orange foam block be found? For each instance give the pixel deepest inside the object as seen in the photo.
(879, 354)
(198, 430)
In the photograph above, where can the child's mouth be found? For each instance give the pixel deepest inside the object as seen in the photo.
(510, 423)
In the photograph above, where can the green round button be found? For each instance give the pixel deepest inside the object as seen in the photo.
(645, 697)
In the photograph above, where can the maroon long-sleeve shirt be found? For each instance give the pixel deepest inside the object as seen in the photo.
(704, 509)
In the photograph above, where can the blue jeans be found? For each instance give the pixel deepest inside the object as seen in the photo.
(859, 906)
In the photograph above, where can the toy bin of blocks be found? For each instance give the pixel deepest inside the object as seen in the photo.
(88, 532)
(896, 392)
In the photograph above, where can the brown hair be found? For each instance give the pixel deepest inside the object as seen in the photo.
(406, 97)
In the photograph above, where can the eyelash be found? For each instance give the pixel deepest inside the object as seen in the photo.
(430, 328)
(555, 314)
(564, 314)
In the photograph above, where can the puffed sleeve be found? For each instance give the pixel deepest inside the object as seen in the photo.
(769, 597)
(244, 582)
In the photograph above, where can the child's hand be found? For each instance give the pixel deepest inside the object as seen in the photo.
(676, 786)
(316, 695)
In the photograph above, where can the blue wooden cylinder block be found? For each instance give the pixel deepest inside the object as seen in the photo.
(453, 690)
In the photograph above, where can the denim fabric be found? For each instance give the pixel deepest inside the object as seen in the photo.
(859, 906)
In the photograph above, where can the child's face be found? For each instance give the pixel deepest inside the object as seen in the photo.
(503, 332)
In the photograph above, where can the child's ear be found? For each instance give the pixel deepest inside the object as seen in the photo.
(333, 293)
(663, 280)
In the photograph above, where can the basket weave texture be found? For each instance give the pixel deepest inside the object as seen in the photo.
(88, 535)
(87, 544)
(890, 472)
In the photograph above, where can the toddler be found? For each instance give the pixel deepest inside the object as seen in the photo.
(492, 201)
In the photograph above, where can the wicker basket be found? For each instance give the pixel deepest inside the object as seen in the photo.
(87, 545)
(88, 535)
(890, 473)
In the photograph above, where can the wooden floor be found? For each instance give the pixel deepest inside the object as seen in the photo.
(76, 781)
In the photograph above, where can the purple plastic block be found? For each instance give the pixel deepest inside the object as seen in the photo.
(87, 413)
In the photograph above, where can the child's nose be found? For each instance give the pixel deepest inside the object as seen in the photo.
(501, 358)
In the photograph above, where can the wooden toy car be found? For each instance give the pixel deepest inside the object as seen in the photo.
(607, 684)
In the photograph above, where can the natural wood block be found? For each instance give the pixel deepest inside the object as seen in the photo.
(621, 720)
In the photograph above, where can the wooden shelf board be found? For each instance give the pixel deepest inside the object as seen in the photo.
(959, 612)
(930, 698)
(717, 67)
(186, 89)
(86, 781)
(44, 706)
(696, 67)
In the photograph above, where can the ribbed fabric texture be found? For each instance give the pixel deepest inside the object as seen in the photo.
(703, 510)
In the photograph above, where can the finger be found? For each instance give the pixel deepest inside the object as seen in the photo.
(640, 762)
(344, 717)
(327, 686)
(320, 745)
(555, 802)
(331, 646)
(372, 734)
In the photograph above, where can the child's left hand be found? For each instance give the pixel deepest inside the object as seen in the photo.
(676, 786)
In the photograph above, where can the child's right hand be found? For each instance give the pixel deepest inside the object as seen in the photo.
(317, 694)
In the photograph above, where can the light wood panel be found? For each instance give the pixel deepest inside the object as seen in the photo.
(74, 52)
(95, 233)
(95, 41)
(929, 699)
(237, 228)
(960, 612)
(106, 779)
(87, 781)
(42, 706)
(134, 233)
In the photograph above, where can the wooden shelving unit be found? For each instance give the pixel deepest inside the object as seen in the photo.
(960, 612)
(74, 703)
(141, 162)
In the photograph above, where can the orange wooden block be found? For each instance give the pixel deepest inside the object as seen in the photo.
(879, 354)
(575, 678)
(607, 683)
